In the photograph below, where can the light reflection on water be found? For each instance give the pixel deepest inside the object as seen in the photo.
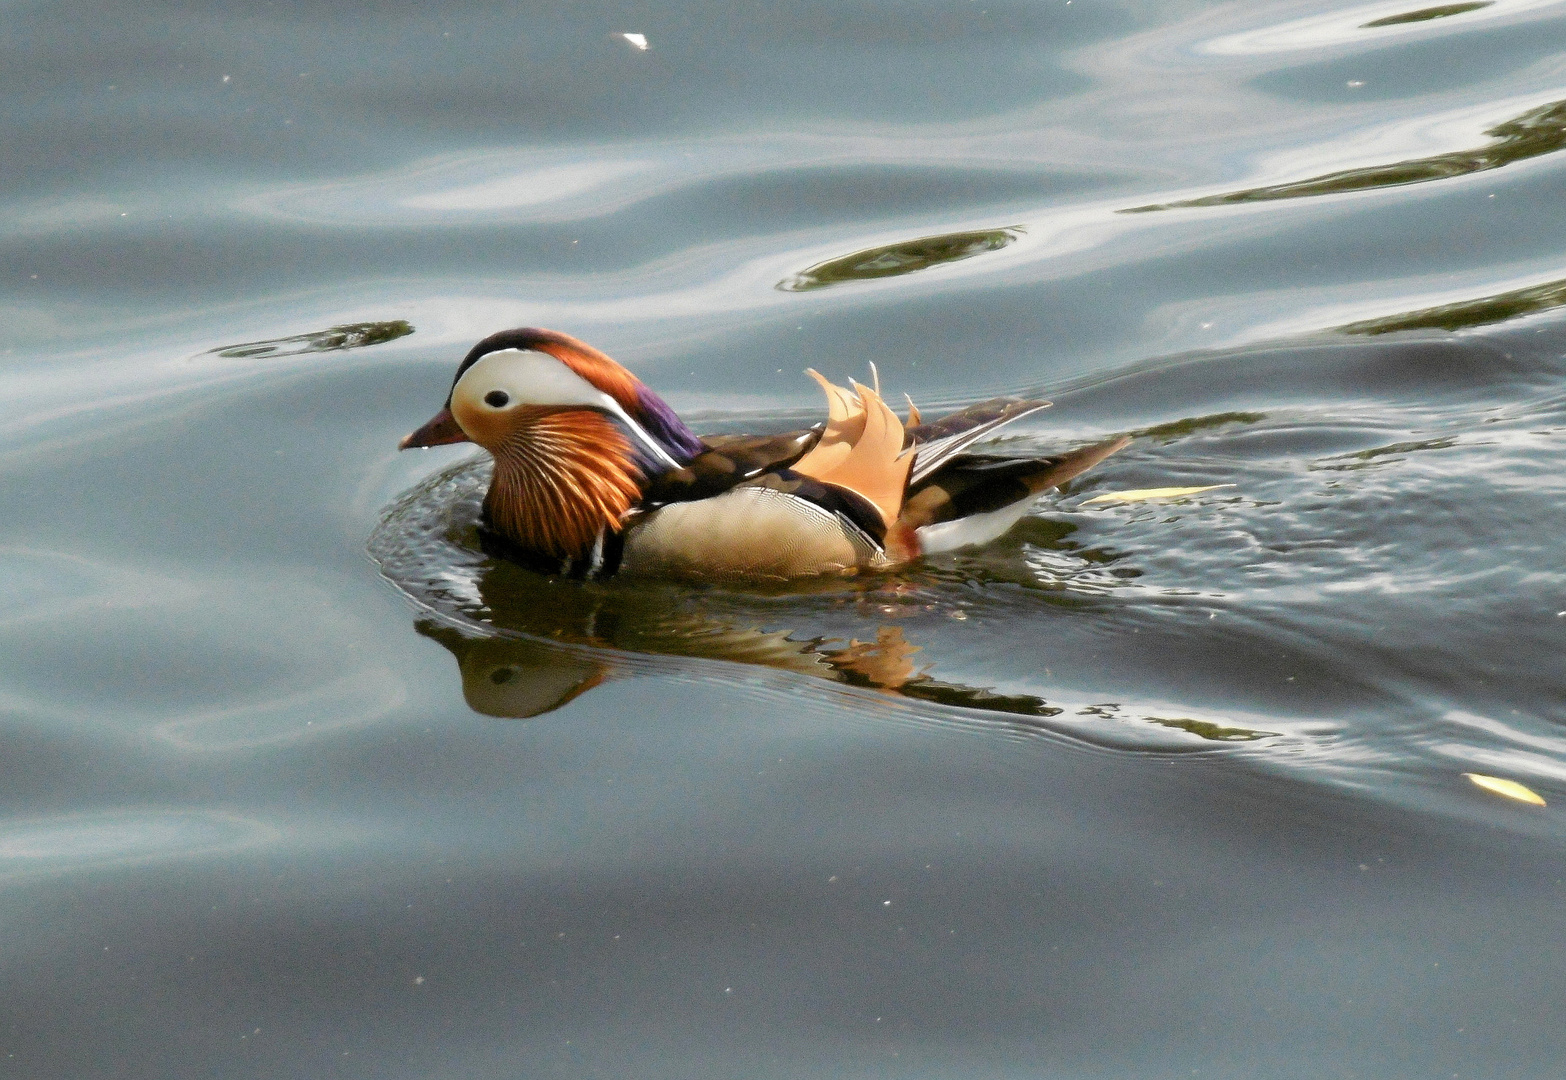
(1540, 130)
(33, 848)
(1372, 25)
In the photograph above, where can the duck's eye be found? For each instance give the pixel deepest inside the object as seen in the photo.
(497, 399)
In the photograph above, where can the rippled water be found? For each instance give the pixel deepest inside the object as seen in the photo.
(299, 783)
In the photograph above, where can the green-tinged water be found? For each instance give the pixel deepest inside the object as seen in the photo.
(296, 782)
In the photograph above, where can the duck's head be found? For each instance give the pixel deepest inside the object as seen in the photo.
(532, 369)
(573, 434)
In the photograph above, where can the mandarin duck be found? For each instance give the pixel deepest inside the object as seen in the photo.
(595, 475)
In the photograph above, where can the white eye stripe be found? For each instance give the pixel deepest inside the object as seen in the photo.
(534, 378)
(530, 378)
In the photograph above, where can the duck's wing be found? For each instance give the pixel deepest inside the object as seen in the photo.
(726, 461)
(940, 441)
(972, 500)
(752, 455)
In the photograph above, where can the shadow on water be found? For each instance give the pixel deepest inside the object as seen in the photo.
(1179, 429)
(1482, 311)
(1206, 729)
(549, 641)
(1381, 455)
(1538, 131)
(894, 260)
(335, 339)
(1426, 14)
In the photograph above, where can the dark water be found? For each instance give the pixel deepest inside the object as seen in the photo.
(296, 784)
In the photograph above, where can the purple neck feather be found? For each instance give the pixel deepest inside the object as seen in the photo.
(664, 425)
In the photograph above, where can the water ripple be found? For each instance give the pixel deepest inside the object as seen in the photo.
(1397, 19)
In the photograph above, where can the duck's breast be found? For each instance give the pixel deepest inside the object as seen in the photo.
(747, 532)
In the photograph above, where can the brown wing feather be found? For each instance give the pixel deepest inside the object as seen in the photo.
(728, 460)
(975, 485)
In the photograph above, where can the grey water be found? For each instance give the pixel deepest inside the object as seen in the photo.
(296, 782)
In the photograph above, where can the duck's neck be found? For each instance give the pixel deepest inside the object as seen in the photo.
(562, 478)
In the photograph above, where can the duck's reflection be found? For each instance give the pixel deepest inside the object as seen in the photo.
(514, 677)
(552, 641)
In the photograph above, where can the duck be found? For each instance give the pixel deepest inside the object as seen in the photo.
(595, 475)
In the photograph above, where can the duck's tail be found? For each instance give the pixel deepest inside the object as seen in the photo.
(931, 494)
(973, 500)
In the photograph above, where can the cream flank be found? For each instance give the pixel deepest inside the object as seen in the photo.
(748, 532)
(761, 532)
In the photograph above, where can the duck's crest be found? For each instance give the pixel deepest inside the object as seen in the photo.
(634, 396)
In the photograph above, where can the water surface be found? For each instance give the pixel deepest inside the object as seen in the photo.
(298, 783)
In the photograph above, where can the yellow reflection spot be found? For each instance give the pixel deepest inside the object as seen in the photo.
(1510, 789)
(1143, 494)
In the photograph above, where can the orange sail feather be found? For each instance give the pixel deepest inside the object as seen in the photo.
(861, 449)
